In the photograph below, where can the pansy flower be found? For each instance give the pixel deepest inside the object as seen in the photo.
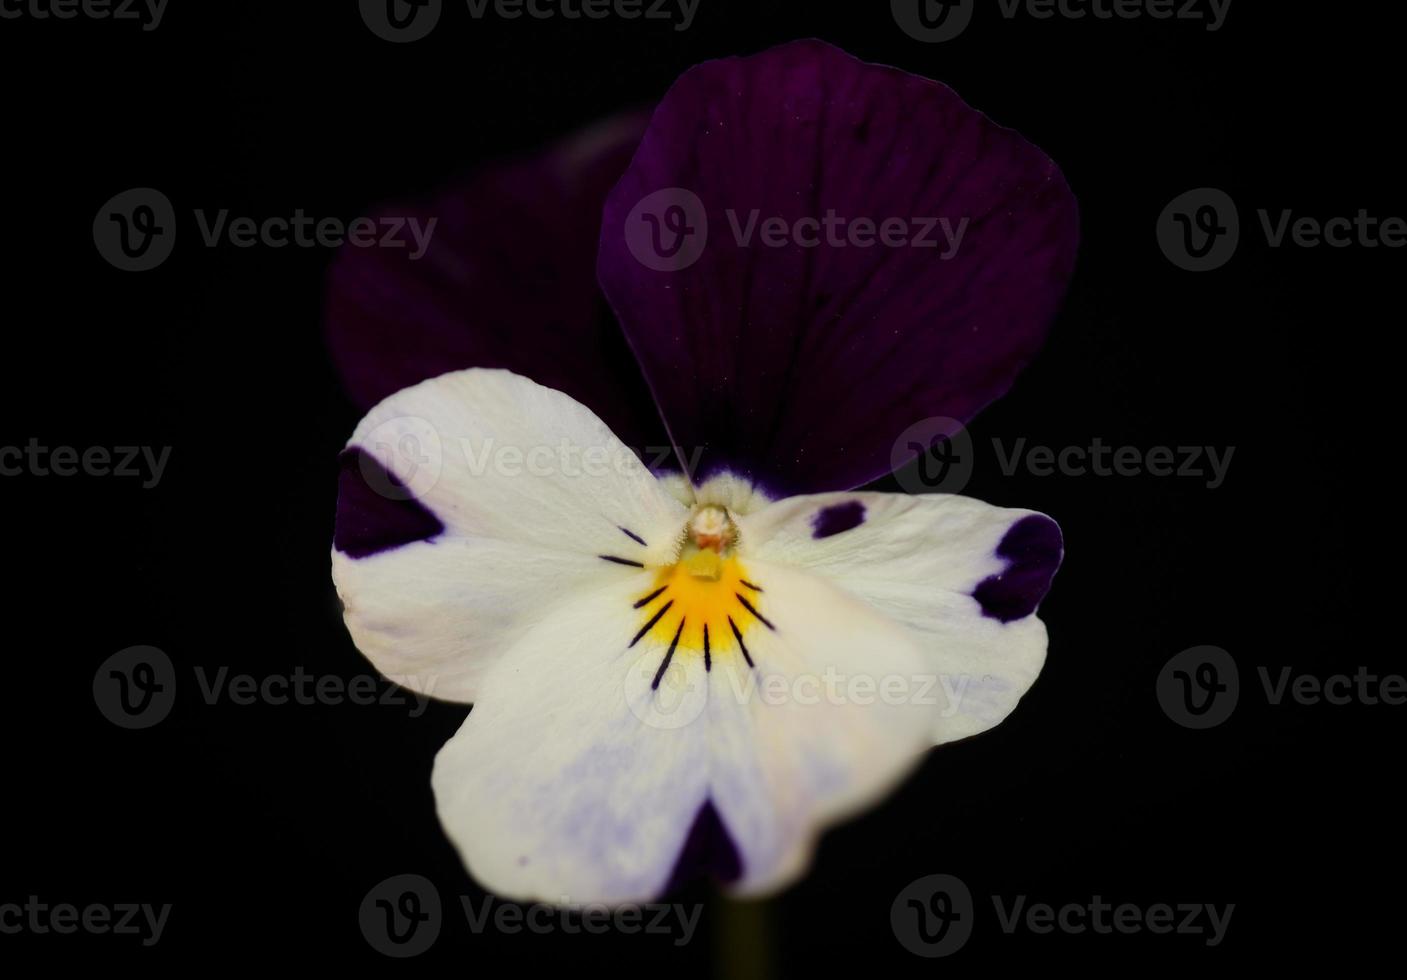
(695, 664)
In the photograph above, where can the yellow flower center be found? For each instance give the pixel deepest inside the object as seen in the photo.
(705, 602)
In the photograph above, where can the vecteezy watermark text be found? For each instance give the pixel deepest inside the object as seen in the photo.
(403, 915)
(136, 688)
(1211, 13)
(406, 456)
(403, 21)
(136, 230)
(1100, 917)
(674, 695)
(837, 231)
(934, 21)
(119, 919)
(652, 918)
(939, 455)
(934, 915)
(302, 231)
(679, 12)
(146, 463)
(146, 12)
(1200, 687)
(1100, 460)
(668, 230)
(1200, 230)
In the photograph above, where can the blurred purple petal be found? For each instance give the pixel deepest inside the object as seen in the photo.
(508, 281)
(799, 366)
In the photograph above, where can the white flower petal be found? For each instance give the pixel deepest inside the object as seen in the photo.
(583, 775)
(837, 709)
(924, 561)
(532, 490)
(571, 784)
(630, 710)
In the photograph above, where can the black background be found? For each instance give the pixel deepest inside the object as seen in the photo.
(264, 826)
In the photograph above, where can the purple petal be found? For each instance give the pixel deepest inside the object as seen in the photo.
(508, 281)
(799, 366)
(376, 511)
(1033, 548)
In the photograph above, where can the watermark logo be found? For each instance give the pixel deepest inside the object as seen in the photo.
(932, 21)
(933, 916)
(1199, 687)
(401, 917)
(404, 457)
(667, 230)
(401, 21)
(668, 693)
(136, 687)
(1200, 230)
(665, 697)
(938, 455)
(934, 455)
(135, 231)
(407, 446)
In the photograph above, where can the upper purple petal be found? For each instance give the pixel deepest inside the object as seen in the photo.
(799, 366)
(508, 281)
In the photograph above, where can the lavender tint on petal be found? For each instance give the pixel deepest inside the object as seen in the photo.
(375, 510)
(837, 519)
(1032, 548)
(800, 364)
(708, 851)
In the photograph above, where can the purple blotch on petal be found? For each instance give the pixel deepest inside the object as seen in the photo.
(708, 851)
(375, 510)
(837, 518)
(1032, 548)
